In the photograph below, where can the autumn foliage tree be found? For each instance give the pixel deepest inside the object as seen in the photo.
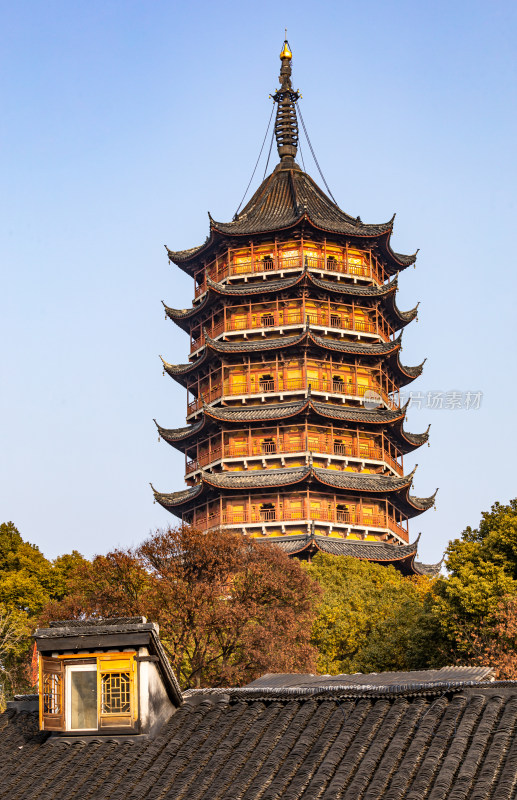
(229, 608)
(494, 643)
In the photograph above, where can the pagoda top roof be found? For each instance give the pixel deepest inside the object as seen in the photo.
(289, 198)
(285, 200)
(288, 195)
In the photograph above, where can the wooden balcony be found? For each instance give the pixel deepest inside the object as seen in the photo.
(289, 446)
(330, 517)
(291, 385)
(280, 319)
(223, 269)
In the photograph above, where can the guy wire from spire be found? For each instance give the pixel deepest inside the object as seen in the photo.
(299, 111)
(258, 159)
(269, 154)
(301, 153)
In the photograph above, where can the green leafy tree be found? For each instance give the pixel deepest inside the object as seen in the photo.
(482, 567)
(28, 582)
(371, 618)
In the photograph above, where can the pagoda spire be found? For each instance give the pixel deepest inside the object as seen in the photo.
(286, 124)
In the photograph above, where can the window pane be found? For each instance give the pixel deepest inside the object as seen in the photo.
(83, 695)
(52, 694)
(116, 697)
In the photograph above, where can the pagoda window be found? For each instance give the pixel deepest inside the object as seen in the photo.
(267, 383)
(338, 384)
(267, 512)
(335, 321)
(331, 263)
(268, 446)
(339, 447)
(267, 263)
(267, 320)
(342, 513)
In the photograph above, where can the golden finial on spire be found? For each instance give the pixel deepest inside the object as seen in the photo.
(286, 53)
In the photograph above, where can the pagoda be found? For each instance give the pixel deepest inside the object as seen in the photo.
(295, 430)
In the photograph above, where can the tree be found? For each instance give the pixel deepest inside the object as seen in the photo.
(229, 607)
(371, 618)
(494, 643)
(482, 567)
(28, 581)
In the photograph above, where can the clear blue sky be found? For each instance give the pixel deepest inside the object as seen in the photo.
(122, 123)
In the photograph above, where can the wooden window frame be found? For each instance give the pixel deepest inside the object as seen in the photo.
(58, 670)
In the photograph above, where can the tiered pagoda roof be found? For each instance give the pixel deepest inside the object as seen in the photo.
(287, 199)
(397, 488)
(213, 416)
(390, 350)
(216, 292)
(289, 207)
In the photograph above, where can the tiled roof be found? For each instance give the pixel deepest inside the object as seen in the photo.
(403, 374)
(400, 556)
(362, 482)
(431, 570)
(173, 499)
(284, 198)
(418, 739)
(354, 289)
(178, 434)
(379, 552)
(423, 503)
(279, 411)
(359, 348)
(185, 255)
(256, 479)
(405, 316)
(412, 372)
(289, 197)
(278, 342)
(254, 288)
(269, 479)
(450, 676)
(415, 439)
(267, 343)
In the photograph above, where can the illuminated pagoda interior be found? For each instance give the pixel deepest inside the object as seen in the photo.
(295, 431)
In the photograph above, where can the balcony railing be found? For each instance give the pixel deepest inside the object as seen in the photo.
(274, 385)
(287, 447)
(276, 514)
(220, 270)
(342, 322)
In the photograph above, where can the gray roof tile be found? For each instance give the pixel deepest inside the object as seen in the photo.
(413, 736)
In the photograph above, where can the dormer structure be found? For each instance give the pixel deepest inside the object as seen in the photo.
(295, 426)
(108, 676)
